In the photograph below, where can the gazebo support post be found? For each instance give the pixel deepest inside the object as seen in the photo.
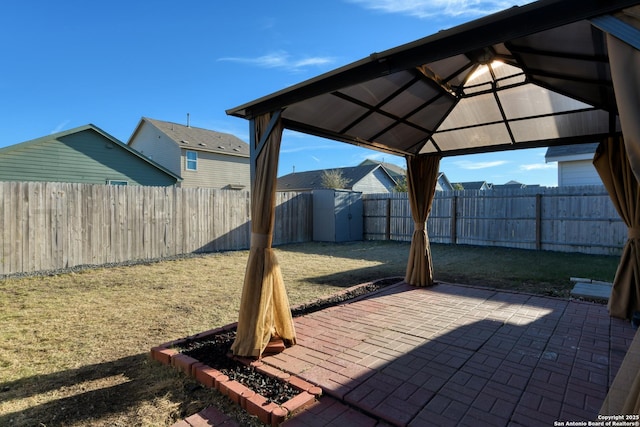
(264, 307)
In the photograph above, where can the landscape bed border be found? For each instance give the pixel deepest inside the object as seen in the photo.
(268, 412)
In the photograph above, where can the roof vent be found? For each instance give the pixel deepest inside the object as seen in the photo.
(184, 141)
(221, 147)
(202, 144)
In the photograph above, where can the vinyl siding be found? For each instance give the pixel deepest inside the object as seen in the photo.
(216, 171)
(83, 157)
(157, 146)
(376, 182)
(580, 172)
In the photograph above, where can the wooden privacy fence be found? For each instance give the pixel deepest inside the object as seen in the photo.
(47, 226)
(564, 219)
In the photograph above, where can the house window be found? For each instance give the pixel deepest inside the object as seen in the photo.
(117, 182)
(192, 161)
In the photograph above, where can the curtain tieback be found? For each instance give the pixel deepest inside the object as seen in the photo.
(260, 240)
(633, 233)
(419, 226)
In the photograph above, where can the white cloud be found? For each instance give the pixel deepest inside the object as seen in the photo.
(469, 165)
(537, 166)
(287, 148)
(430, 8)
(281, 59)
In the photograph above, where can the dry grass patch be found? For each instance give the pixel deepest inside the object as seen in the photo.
(73, 347)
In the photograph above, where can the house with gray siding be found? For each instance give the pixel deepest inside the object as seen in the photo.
(473, 185)
(202, 157)
(396, 172)
(85, 154)
(575, 164)
(369, 178)
(399, 174)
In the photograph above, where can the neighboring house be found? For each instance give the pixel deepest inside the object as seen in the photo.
(398, 174)
(395, 171)
(473, 185)
(575, 164)
(509, 185)
(372, 178)
(202, 157)
(85, 154)
(443, 183)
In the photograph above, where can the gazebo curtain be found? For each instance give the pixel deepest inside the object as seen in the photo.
(264, 307)
(422, 178)
(625, 63)
(618, 163)
(612, 163)
(619, 168)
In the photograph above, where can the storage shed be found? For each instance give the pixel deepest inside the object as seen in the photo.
(337, 215)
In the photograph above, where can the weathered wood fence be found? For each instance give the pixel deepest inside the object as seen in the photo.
(47, 226)
(565, 219)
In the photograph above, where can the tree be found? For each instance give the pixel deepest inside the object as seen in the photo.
(334, 179)
(401, 186)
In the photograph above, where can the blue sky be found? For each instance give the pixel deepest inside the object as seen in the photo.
(69, 63)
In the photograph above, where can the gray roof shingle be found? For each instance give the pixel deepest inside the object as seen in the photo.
(396, 172)
(570, 150)
(199, 139)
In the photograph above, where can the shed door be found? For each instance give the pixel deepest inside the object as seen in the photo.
(348, 216)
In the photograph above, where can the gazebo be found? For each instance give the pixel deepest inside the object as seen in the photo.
(549, 73)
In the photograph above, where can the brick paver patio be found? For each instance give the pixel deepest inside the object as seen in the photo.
(456, 355)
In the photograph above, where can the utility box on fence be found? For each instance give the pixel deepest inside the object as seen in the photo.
(337, 215)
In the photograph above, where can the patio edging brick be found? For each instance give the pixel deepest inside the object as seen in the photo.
(252, 402)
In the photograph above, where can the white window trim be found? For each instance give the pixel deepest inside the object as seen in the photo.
(117, 182)
(187, 160)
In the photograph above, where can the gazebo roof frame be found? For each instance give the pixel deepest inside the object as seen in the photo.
(509, 36)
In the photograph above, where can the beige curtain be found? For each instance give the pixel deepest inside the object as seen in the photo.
(625, 63)
(264, 307)
(422, 178)
(612, 163)
(624, 394)
(618, 164)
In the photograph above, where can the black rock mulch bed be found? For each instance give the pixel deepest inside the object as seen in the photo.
(215, 350)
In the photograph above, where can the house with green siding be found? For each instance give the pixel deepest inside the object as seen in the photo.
(202, 157)
(85, 154)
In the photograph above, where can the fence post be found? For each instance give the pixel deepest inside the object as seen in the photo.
(538, 221)
(454, 219)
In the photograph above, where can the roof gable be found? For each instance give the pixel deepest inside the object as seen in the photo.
(198, 139)
(394, 171)
(73, 137)
(473, 185)
(312, 180)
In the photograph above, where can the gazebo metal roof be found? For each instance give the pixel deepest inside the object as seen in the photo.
(529, 76)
